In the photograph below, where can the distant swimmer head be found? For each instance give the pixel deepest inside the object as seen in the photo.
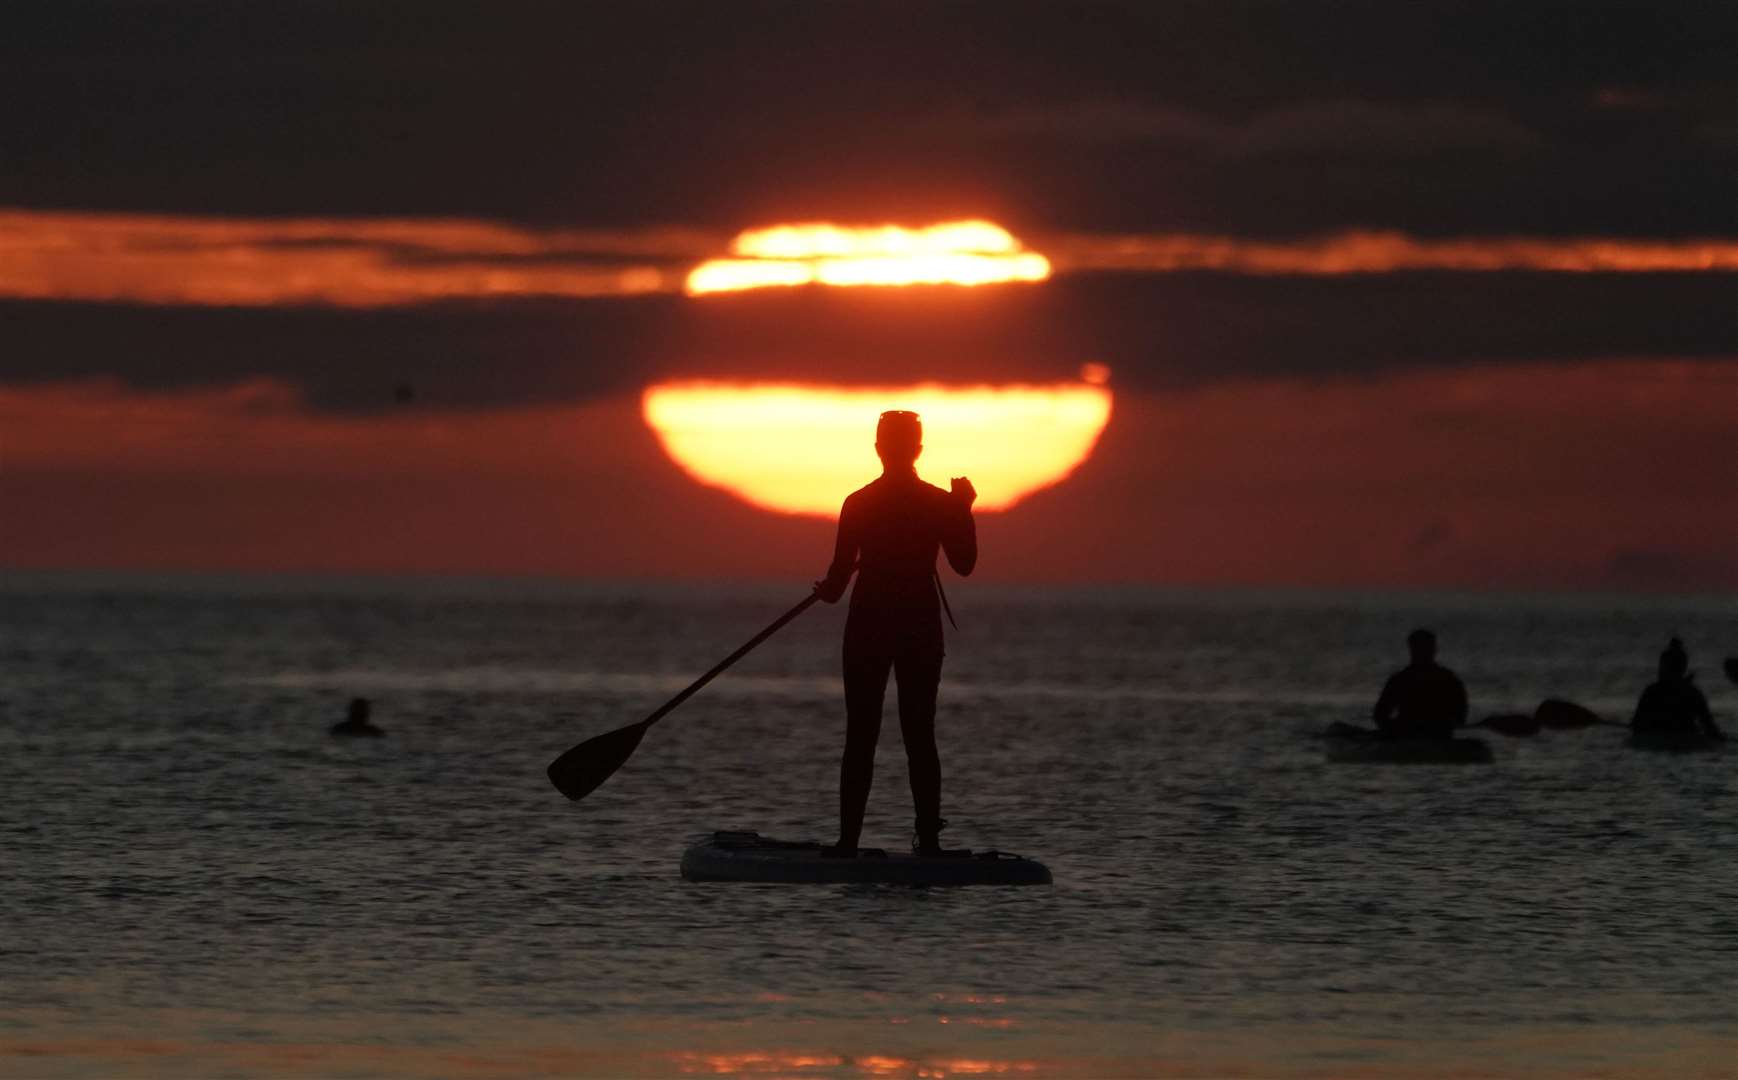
(899, 438)
(359, 710)
(1674, 662)
(1422, 644)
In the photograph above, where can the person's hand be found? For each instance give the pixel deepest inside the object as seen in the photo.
(963, 490)
(830, 595)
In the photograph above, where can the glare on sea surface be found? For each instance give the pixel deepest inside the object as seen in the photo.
(949, 253)
(801, 448)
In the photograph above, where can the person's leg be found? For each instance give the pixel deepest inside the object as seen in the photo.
(919, 674)
(865, 687)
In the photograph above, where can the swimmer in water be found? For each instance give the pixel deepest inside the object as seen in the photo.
(357, 722)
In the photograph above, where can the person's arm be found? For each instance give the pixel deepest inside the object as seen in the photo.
(959, 534)
(832, 587)
(1459, 702)
(1705, 717)
(1643, 706)
(1385, 704)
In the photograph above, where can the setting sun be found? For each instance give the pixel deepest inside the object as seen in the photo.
(950, 253)
(800, 449)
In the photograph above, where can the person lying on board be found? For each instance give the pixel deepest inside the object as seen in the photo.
(1423, 700)
(1674, 705)
(889, 534)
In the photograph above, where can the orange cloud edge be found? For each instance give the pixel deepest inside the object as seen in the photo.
(183, 260)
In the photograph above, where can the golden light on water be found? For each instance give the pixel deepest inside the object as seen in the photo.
(797, 1062)
(801, 448)
(949, 253)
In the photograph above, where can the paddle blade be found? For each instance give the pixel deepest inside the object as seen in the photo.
(578, 772)
(1519, 725)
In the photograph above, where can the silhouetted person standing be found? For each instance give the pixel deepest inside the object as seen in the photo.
(356, 722)
(889, 533)
(1674, 704)
(1423, 700)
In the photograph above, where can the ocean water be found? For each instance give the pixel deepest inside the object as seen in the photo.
(198, 882)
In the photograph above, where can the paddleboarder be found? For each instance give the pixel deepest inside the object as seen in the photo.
(1674, 705)
(889, 534)
(1423, 700)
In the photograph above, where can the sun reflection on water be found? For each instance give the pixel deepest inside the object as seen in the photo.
(799, 1063)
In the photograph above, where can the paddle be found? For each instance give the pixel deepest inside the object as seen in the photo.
(578, 772)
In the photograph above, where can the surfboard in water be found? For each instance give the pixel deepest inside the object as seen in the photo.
(1674, 742)
(749, 856)
(1374, 751)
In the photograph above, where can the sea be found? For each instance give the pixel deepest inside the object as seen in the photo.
(197, 881)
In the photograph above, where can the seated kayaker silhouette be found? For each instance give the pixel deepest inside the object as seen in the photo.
(1674, 705)
(889, 533)
(1423, 700)
(356, 723)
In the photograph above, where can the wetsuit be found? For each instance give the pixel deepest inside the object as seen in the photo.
(889, 533)
(1674, 707)
(1421, 701)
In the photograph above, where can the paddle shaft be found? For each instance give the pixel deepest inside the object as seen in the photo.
(578, 772)
(718, 669)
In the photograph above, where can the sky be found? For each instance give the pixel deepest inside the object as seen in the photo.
(1427, 294)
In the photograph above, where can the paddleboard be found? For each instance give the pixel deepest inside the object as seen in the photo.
(1410, 751)
(1673, 742)
(749, 856)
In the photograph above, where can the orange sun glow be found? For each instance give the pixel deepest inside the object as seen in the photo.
(800, 449)
(950, 253)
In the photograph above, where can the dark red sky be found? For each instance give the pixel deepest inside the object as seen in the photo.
(209, 387)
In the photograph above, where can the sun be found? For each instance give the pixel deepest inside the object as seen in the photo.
(969, 252)
(800, 448)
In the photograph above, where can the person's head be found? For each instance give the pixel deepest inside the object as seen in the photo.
(359, 709)
(1422, 644)
(1674, 662)
(898, 439)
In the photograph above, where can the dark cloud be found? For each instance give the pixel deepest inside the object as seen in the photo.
(1432, 115)
(1443, 118)
(1347, 130)
(1176, 330)
(1358, 130)
(454, 356)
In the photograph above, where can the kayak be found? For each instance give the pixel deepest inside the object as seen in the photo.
(1410, 751)
(749, 856)
(1673, 742)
